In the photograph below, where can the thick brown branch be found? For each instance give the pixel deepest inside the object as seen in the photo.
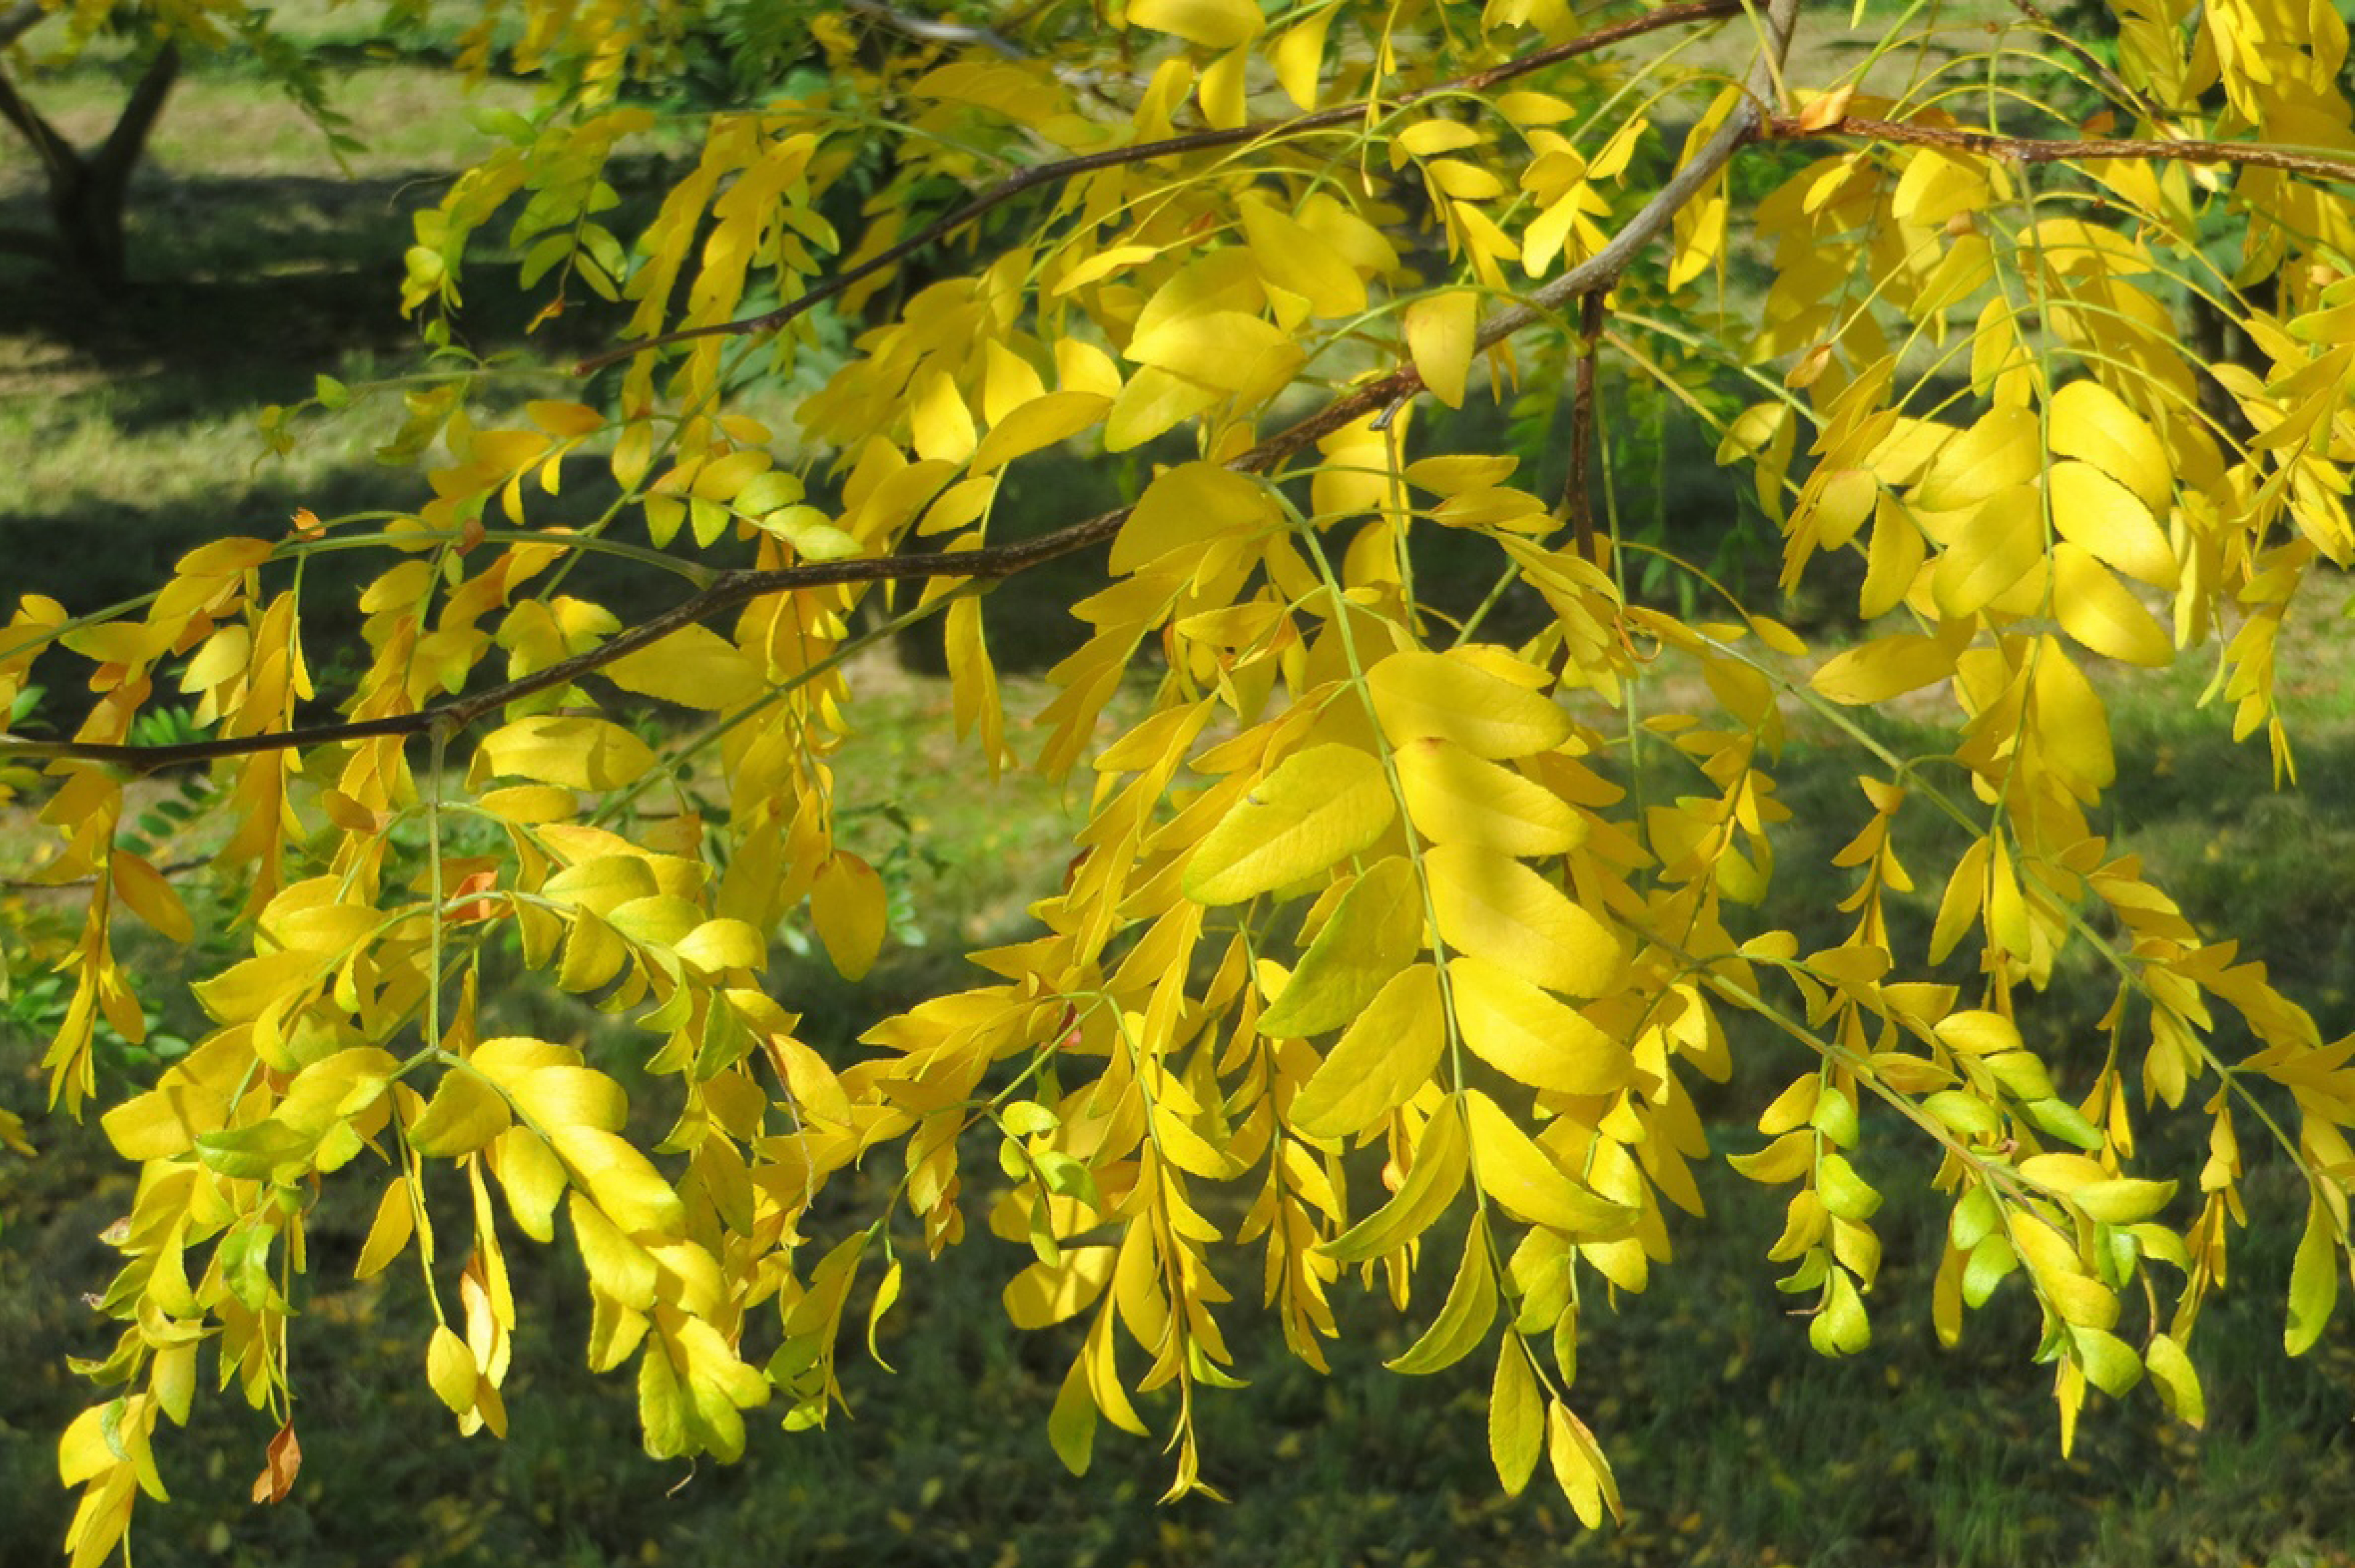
(2056, 150)
(1343, 116)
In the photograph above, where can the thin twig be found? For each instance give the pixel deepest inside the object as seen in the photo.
(1346, 115)
(935, 32)
(2112, 83)
(2056, 150)
(1601, 270)
(1577, 500)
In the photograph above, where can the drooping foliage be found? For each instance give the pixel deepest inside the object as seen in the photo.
(1429, 865)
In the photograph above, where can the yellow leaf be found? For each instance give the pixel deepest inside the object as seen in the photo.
(1516, 1418)
(1299, 58)
(941, 424)
(1977, 1031)
(1036, 425)
(1454, 797)
(1494, 907)
(851, 908)
(1531, 1038)
(1153, 401)
(1514, 1170)
(2103, 614)
(2177, 1381)
(2000, 544)
(2313, 1280)
(1417, 693)
(2091, 509)
(2088, 420)
(534, 1180)
(578, 752)
(450, 1369)
(1047, 1294)
(619, 1268)
(1379, 1061)
(1213, 23)
(1441, 1163)
(724, 944)
(388, 1233)
(1317, 806)
(1294, 257)
(1893, 558)
(1579, 1466)
(1464, 1318)
(1440, 337)
(693, 667)
(1883, 668)
(1186, 506)
(465, 1114)
(620, 1179)
(1224, 350)
(1370, 936)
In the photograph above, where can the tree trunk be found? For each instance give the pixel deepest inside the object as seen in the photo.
(88, 192)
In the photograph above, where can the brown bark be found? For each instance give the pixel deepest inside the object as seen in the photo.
(87, 191)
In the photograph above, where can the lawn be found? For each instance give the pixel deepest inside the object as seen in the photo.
(128, 429)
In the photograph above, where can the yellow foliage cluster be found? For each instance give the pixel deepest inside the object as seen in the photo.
(1386, 925)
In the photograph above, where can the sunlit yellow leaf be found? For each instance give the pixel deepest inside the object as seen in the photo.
(1042, 1294)
(1529, 1036)
(2091, 509)
(578, 752)
(1213, 23)
(2103, 614)
(1316, 807)
(2088, 420)
(465, 1114)
(1884, 668)
(1185, 507)
(1418, 695)
(1371, 935)
(450, 1369)
(1464, 1318)
(851, 908)
(1439, 335)
(2002, 541)
(1379, 1061)
(1516, 1418)
(693, 667)
(1494, 907)
(1514, 1170)
(1454, 797)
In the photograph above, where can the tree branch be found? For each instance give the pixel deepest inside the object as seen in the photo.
(20, 19)
(56, 154)
(934, 32)
(734, 589)
(124, 144)
(1601, 270)
(2041, 150)
(1346, 115)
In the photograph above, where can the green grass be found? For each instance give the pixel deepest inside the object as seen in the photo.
(127, 430)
